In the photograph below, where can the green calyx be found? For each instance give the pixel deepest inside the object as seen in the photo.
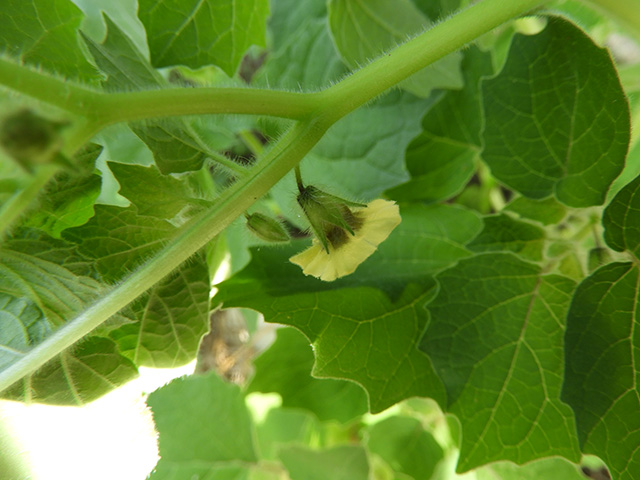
(267, 228)
(330, 217)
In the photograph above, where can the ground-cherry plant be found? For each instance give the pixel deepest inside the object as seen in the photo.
(440, 196)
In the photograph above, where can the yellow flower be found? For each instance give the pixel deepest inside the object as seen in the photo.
(375, 222)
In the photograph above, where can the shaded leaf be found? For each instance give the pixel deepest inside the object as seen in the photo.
(495, 338)
(197, 33)
(364, 31)
(77, 376)
(44, 33)
(119, 239)
(621, 220)
(348, 462)
(503, 233)
(602, 366)
(170, 319)
(285, 368)
(175, 144)
(557, 120)
(547, 211)
(403, 443)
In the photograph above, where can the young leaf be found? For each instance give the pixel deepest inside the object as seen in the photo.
(44, 33)
(346, 462)
(443, 157)
(602, 366)
(364, 31)
(557, 120)
(403, 443)
(197, 33)
(328, 399)
(77, 376)
(170, 319)
(175, 145)
(208, 436)
(495, 338)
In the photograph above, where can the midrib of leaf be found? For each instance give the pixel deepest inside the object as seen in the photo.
(184, 24)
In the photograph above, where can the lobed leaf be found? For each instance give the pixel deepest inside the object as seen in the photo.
(495, 339)
(44, 33)
(601, 380)
(557, 120)
(328, 399)
(197, 33)
(443, 157)
(362, 31)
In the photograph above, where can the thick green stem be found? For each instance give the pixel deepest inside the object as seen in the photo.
(233, 202)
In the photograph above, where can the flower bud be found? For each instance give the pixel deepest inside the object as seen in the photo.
(267, 228)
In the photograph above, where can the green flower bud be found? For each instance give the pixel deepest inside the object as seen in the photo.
(267, 228)
(330, 217)
(30, 139)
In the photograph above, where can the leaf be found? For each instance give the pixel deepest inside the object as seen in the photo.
(152, 193)
(346, 462)
(557, 120)
(283, 427)
(621, 220)
(175, 144)
(21, 320)
(602, 366)
(363, 154)
(363, 31)
(495, 339)
(77, 376)
(210, 436)
(502, 233)
(547, 211)
(119, 239)
(285, 368)
(43, 33)
(443, 157)
(403, 443)
(67, 200)
(304, 56)
(437, 9)
(197, 33)
(547, 469)
(170, 319)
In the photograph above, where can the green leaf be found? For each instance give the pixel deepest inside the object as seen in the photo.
(119, 239)
(363, 31)
(67, 200)
(495, 339)
(547, 211)
(152, 193)
(209, 436)
(502, 233)
(197, 33)
(77, 376)
(303, 55)
(545, 469)
(363, 154)
(348, 462)
(403, 443)
(437, 9)
(285, 368)
(43, 33)
(602, 366)
(21, 320)
(175, 144)
(557, 120)
(170, 319)
(443, 157)
(283, 427)
(622, 220)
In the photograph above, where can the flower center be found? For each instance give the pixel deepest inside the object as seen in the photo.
(338, 236)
